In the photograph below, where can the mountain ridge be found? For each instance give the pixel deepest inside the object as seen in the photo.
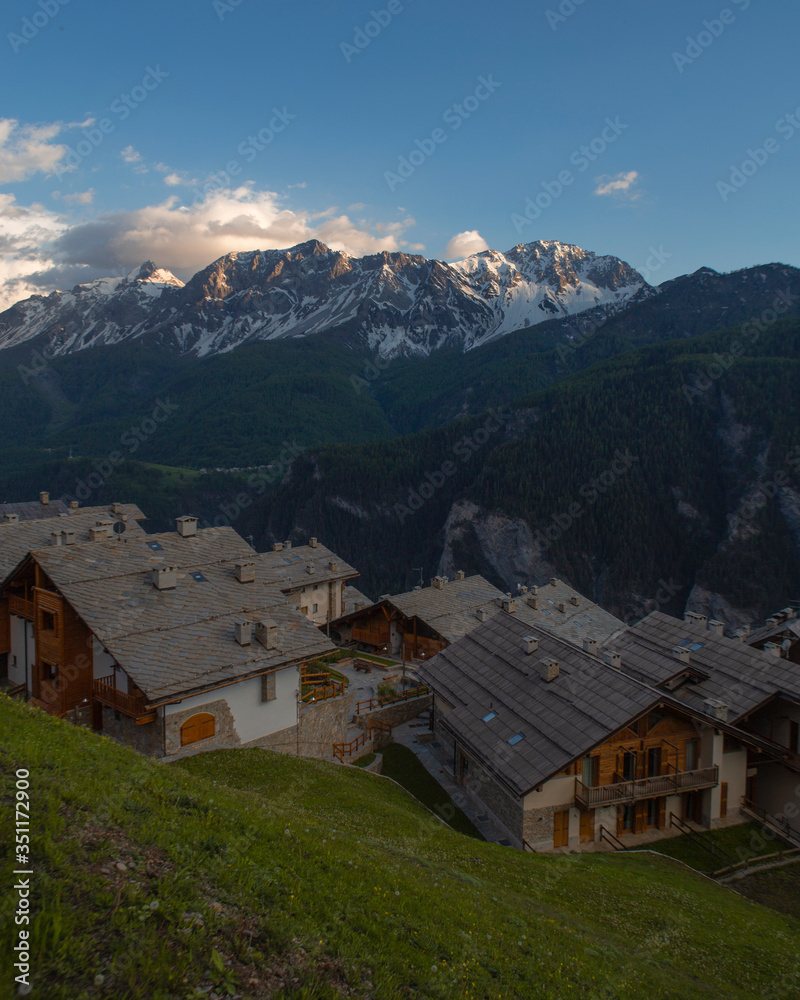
(394, 304)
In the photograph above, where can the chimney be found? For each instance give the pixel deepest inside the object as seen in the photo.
(562, 607)
(530, 644)
(359, 605)
(277, 546)
(523, 590)
(438, 582)
(186, 526)
(11, 518)
(548, 669)
(553, 581)
(287, 545)
(682, 654)
(718, 628)
(590, 646)
(116, 508)
(533, 602)
(534, 590)
(509, 605)
(574, 600)
(69, 536)
(44, 498)
(460, 574)
(73, 505)
(772, 648)
(243, 631)
(267, 633)
(245, 571)
(165, 578)
(55, 537)
(333, 566)
(613, 659)
(309, 569)
(482, 614)
(694, 619)
(312, 542)
(717, 708)
(98, 533)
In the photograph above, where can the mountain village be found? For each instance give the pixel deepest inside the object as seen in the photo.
(559, 726)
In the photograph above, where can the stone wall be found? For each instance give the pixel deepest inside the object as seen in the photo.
(396, 714)
(506, 807)
(322, 724)
(148, 739)
(225, 735)
(284, 741)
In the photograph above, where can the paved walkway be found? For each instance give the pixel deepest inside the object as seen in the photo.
(438, 761)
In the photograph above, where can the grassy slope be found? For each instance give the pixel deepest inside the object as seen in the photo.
(335, 883)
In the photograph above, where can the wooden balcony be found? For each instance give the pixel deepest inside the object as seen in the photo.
(133, 705)
(19, 606)
(620, 792)
(370, 636)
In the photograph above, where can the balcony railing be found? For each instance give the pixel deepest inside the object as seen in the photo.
(133, 705)
(370, 636)
(19, 606)
(592, 797)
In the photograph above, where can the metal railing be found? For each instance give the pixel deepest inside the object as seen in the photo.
(618, 792)
(608, 836)
(791, 834)
(705, 842)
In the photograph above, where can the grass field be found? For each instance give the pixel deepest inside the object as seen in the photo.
(736, 843)
(778, 888)
(254, 874)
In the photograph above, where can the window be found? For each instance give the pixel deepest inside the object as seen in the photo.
(268, 692)
(47, 621)
(198, 727)
(653, 762)
(489, 717)
(518, 737)
(794, 737)
(304, 610)
(314, 609)
(49, 671)
(629, 765)
(589, 770)
(691, 755)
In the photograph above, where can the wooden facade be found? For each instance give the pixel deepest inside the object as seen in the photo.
(638, 767)
(415, 640)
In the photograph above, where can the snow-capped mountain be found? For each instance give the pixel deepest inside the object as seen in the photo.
(392, 303)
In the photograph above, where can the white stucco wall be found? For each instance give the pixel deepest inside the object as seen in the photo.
(253, 717)
(16, 657)
(733, 770)
(555, 792)
(318, 594)
(103, 666)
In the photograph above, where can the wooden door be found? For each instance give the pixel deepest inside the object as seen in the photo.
(587, 826)
(561, 828)
(640, 817)
(723, 800)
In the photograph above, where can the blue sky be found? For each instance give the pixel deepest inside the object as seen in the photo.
(235, 125)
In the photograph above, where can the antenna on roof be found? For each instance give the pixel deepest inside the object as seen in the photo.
(415, 569)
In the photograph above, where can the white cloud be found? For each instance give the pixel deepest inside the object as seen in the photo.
(80, 197)
(130, 155)
(26, 150)
(465, 244)
(619, 185)
(41, 251)
(173, 180)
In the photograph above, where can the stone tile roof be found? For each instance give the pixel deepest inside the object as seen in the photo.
(289, 568)
(30, 510)
(17, 540)
(488, 671)
(352, 596)
(729, 671)
(179, 641)
(580, 619)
